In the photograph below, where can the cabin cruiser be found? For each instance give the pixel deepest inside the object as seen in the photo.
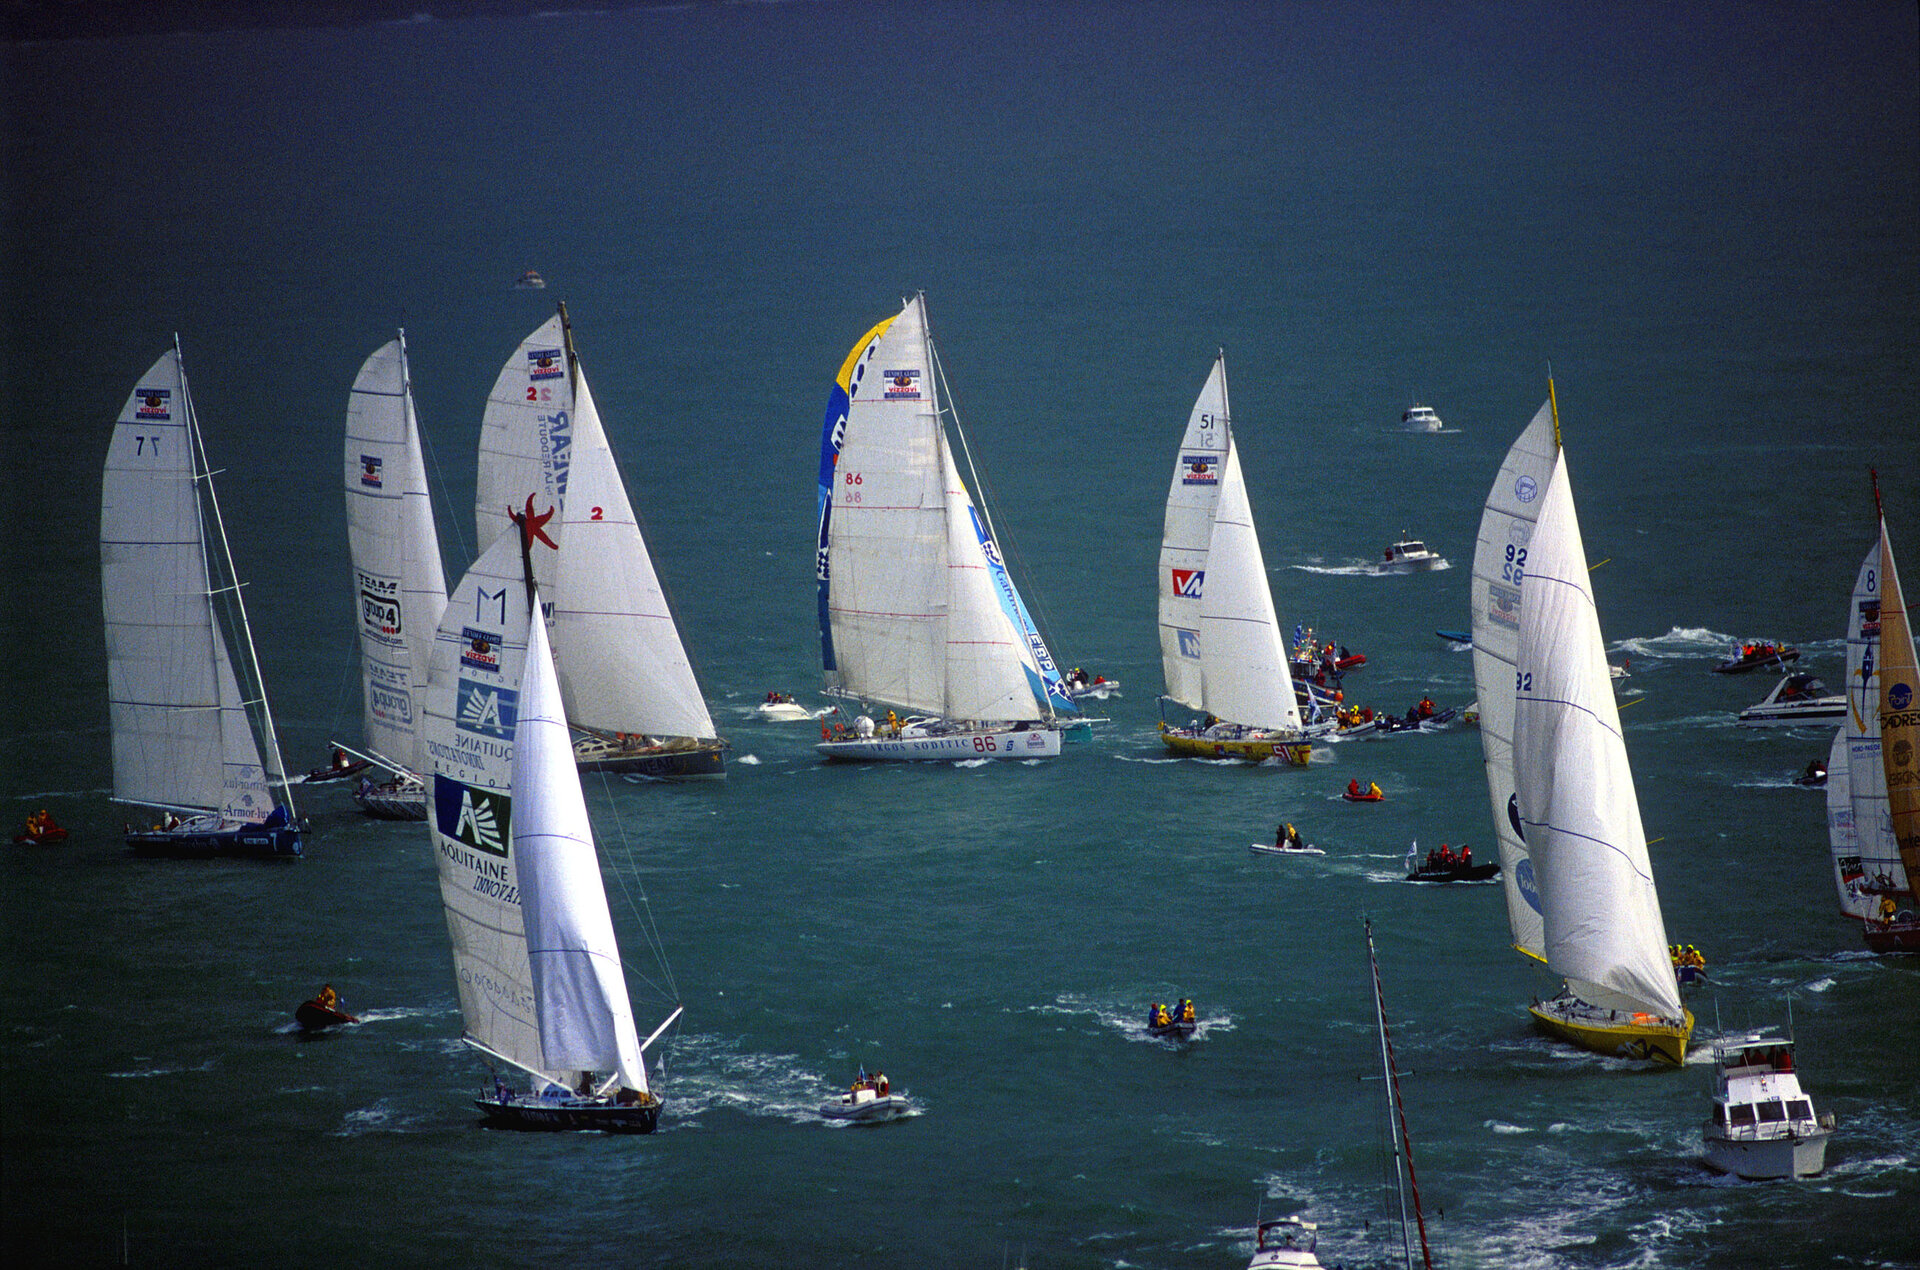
(1797, 699)
(1285, 1243)
(1419, 418)
(1763, 1123)
(1410, 555)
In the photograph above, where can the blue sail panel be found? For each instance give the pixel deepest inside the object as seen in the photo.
(1046, 682)
(833, 434)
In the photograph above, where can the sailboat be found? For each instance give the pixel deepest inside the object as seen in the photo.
(400, 590)
(1571, 811)
(629, 689)
(184, 734)
(538, 967)
(1221, 647)
(917, 611)
(1873, 807)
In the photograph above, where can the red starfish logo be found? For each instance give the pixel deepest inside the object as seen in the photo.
(533, 525)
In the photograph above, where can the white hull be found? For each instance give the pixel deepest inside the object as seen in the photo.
(1762, 1159)
(871, 1111)
(949, 747)
(783, 711)
(1262, 847)
(1832, 710)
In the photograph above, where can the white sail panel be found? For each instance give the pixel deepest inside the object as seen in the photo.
(473, 701)
(526, 434)
(1578, 808)
(887, 534)
(1877, 854)
(181, 735)
(1247, 678)
(622, 665)
(1899, 710)
(580, 991)
(1186, 534)
(986, 654)
(1850, 877)
(400, 589)
(1499, 569)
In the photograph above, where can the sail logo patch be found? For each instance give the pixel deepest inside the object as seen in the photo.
(1529, 885)
(486, 710)
(1870, 619)
(1187, 583)
(479, 649)
(1189, 643)
(1900, 696)
(1199, 470)
(370, 470)
(1526, 489)
(902, 385)
(1503, 606)
(544, 363)
(153, 403)
(477, 818)
(379, 607)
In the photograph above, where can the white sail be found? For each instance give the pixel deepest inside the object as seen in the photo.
(919, 614)
(1186, 535)
(181, 732)
(526, 434)
(1876, 851)
(399, 586)
(1500, 566)
(579, 989)
(1850, 878)
(473, 701)
(1246, 674)
(623, 668)
(1578, 809)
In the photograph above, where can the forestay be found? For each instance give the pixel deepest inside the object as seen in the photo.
(1500, 566)
(1578, 809)
(181, 732)
(399, 585)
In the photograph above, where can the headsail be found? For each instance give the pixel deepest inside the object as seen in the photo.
(1186, 535)
(526, 434)
(1899, 712)
(182, 736)
(1500, 566)
(1577, 806)
(400, 588)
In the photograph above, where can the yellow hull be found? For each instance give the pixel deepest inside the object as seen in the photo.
(1642, 1038)
(1252, 749)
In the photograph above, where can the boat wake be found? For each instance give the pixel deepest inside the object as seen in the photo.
(1367, 569)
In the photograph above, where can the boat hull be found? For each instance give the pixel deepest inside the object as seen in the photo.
(1472, 873)
(1766, 1159)
(783, 711)
(1741, 665)
(247, 842)
(1264, 849)
(946, 747)
(680, 759)
(873, 1111)
(392, 804)
(532, 1114)
(1255, 749)
(1892, 937)
(1823, 714)
(1174, 1031)
(1618, 1037)
(314, 1016)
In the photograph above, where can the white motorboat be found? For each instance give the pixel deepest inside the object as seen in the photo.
(1797, 699)
(782, 708)
(1763, 1123)
(1418, 418)
(1285, 1243)
(870, 1100)
(1410, 555)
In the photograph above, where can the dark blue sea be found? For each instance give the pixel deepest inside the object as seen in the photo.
(1702, 219)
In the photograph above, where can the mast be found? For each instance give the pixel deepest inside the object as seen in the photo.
(232, 579)
(1397, 1122)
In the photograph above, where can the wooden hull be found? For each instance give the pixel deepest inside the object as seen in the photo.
(1622, 1037)
(947, 747)
(680, 759)
(528, 1113)
(1254, 749)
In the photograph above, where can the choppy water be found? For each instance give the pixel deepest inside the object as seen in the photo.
(1704, 218)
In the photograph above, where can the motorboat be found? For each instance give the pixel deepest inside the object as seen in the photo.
(1082, 685)
(1176, 1024)
(1455, 867)
(870, 1100)
(1763, 1123)
(1418, 418)
(1797, 699)
(782, 708)
(1410, 555)
(1754, 656)
(1285, 1243)
(322, 1012)
(530, 281)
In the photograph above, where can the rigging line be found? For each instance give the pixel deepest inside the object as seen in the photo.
(628, 878)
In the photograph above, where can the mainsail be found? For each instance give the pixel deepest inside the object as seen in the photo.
(1221, 646)
(1867, 861)
(399, 586)
(621, 664)
(1577, 807)
(1899, 712)
(182, 735)
(1500, 566)
(917, 610)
